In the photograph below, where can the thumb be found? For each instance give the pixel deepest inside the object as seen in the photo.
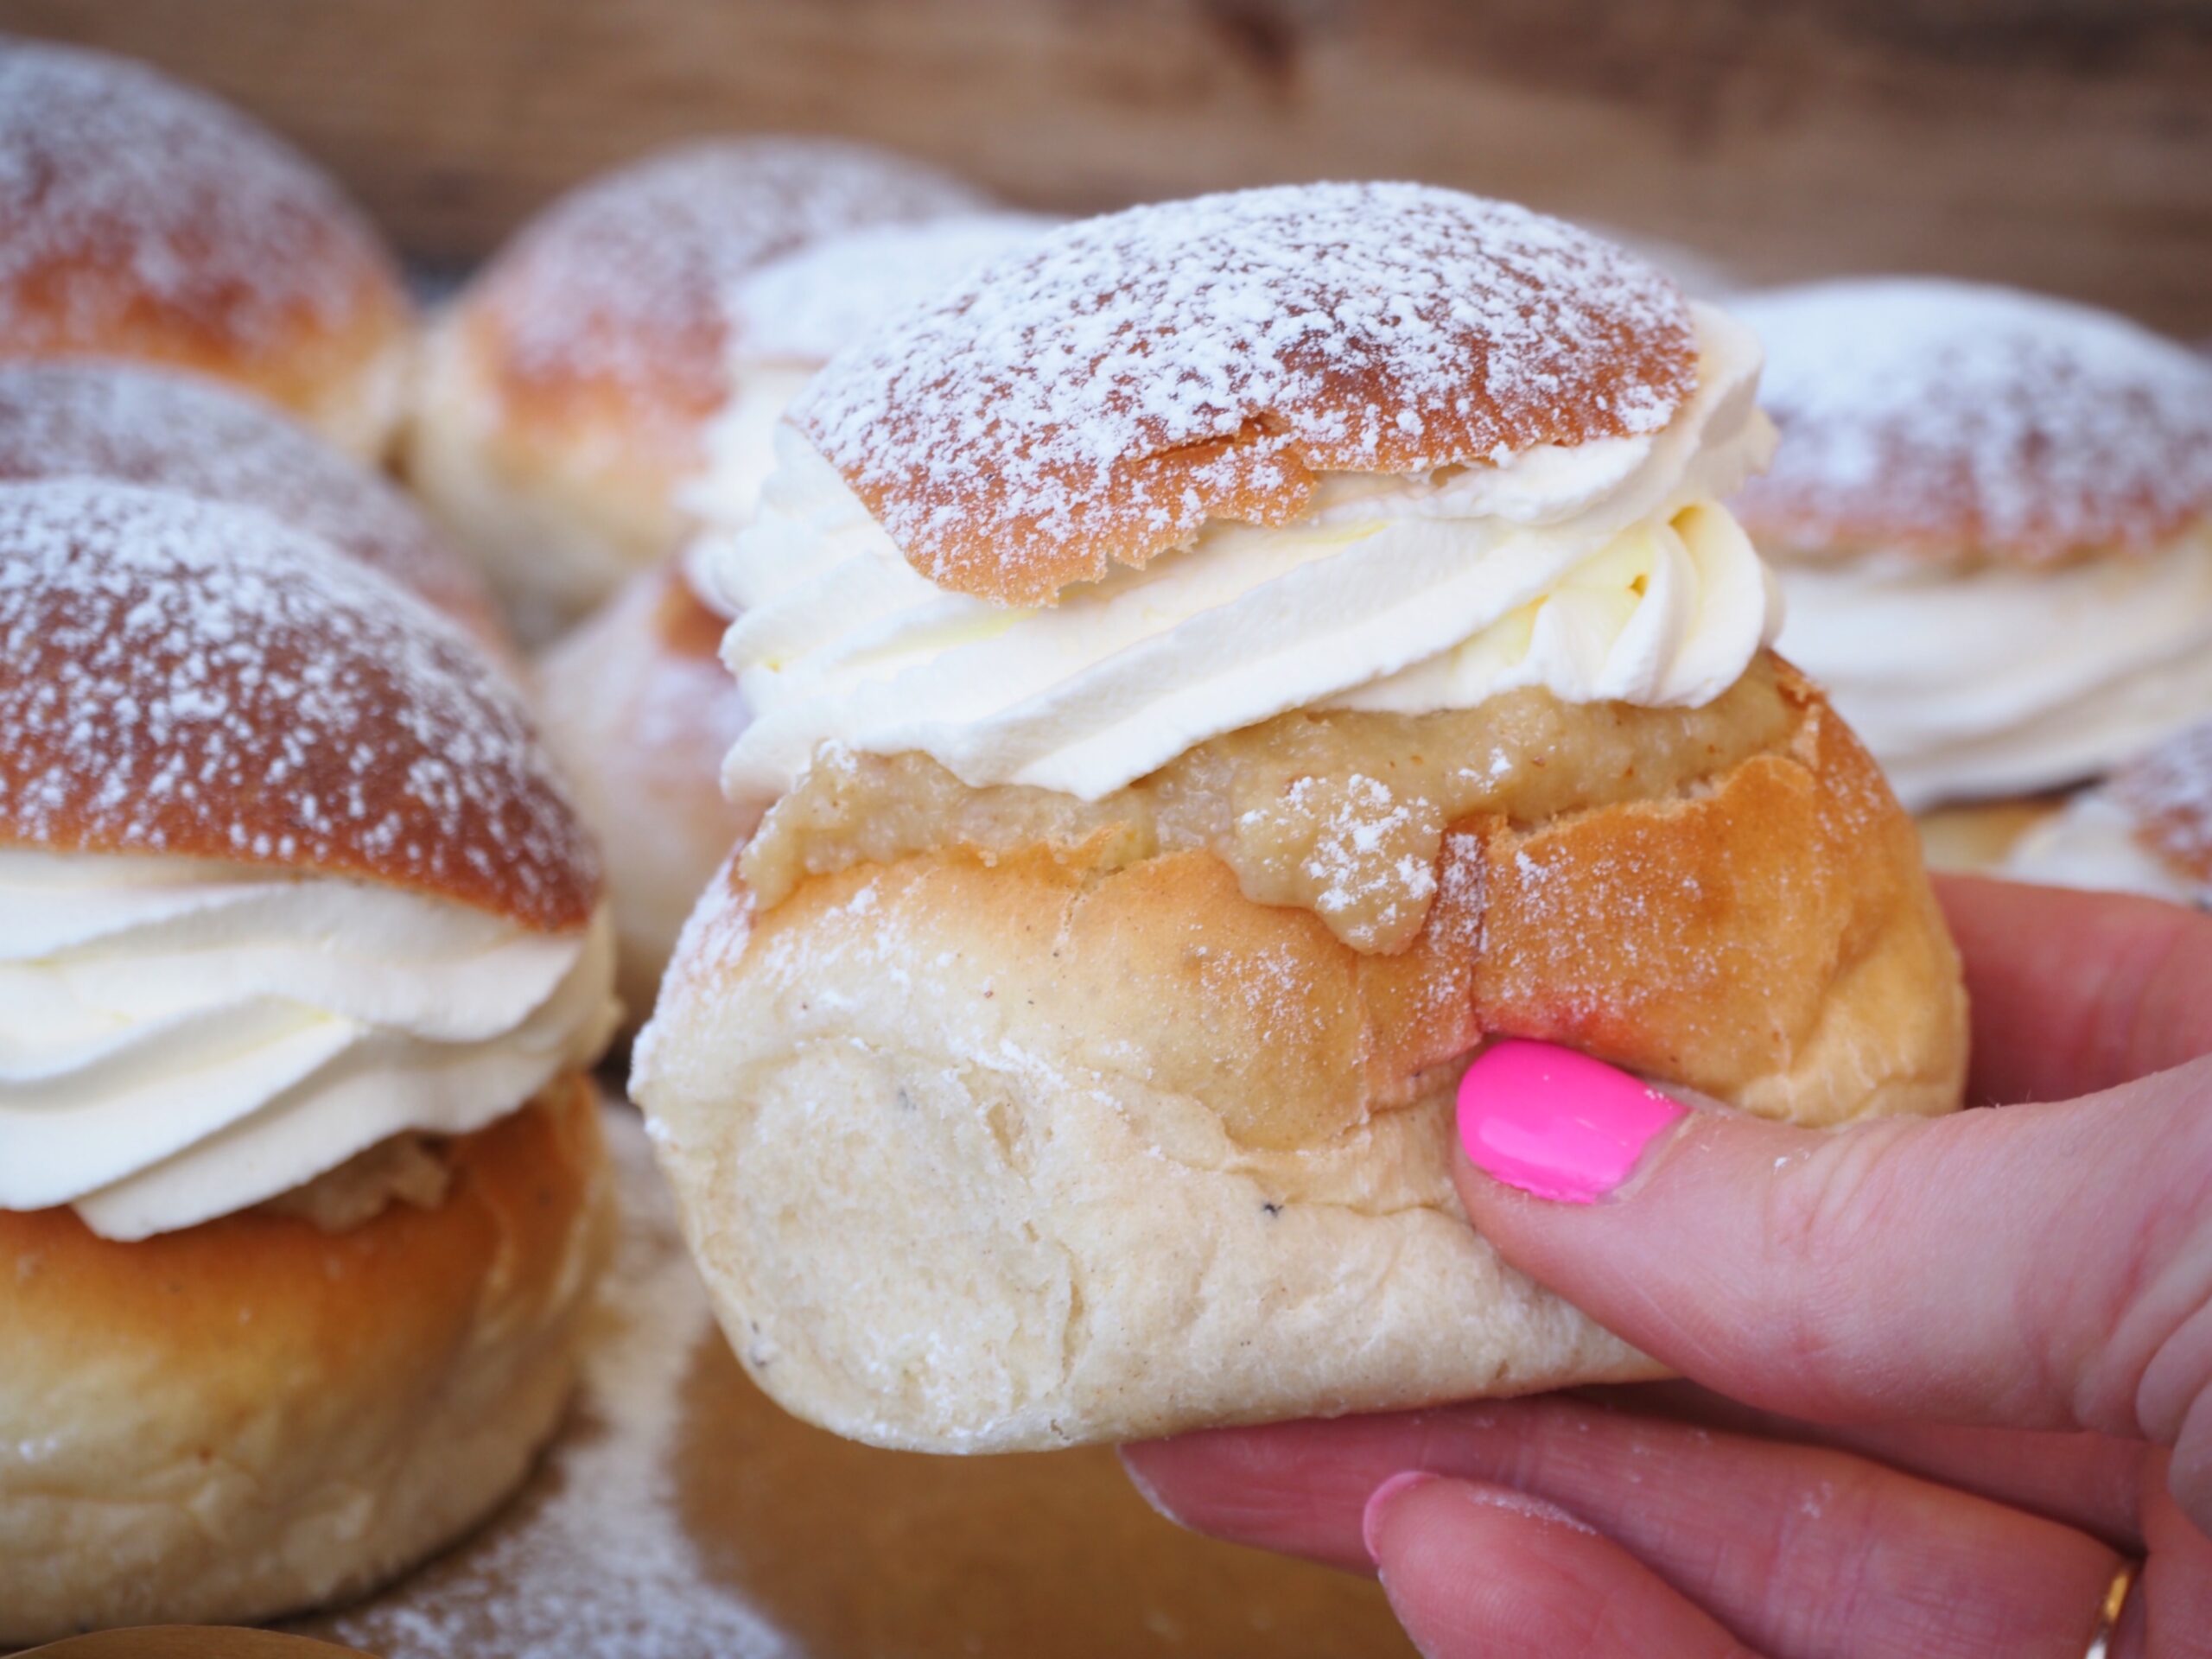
(2045, 1266)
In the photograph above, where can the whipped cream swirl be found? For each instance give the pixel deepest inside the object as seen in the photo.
(181, 1038)
(1603, 571)
(1998, 681)
(741, 443)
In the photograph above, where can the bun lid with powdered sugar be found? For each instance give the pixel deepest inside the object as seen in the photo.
(622, 288)
(194, 679)
(139, 424)
(147, 219)
(1094, 402)
(1960, 421)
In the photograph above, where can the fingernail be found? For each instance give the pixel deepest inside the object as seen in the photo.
(1149, 1492)
(1557, 1123)
(1381, 1498)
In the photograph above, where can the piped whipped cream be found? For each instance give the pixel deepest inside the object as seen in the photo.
(2094, 844)
(181, 1038)
(741, 454)
(1999, 681)
(1605, 571)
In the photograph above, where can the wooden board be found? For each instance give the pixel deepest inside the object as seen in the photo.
(2065, 144)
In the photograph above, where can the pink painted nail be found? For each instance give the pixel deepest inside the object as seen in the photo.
(1557, 1123)
(1379, 1499)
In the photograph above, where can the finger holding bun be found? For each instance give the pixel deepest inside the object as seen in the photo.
(302, 960)
(637, 704)
(1210, 673)
(1991, 513)
(146, 220)
(563, 394)
(144, 425)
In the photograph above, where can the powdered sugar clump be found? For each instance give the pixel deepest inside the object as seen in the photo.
(1096, 398)
(1956, 419)
(186, 677)
(811, 304)
(592, 1560)
(147, 426)
(149, 194)
(626, 278)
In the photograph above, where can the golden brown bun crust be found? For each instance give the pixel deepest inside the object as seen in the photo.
(996, 1158)
(1963, 423)
(143, 425)
(253, 1416)
(195, 679)
(639, 711)
(145, 220)
(1096, 402)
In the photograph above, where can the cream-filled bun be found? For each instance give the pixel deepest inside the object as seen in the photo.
(145, 425)
(637, 705)
(563, 395)
(1209, 673)
(2146, 829)
(1992, 514)
(301, 961)
(141, 219)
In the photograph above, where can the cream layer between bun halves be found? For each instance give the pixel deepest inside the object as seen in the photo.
(185, 1037)
(1211, 672)
(283, 875)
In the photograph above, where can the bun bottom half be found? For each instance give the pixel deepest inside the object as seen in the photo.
(1007, 1157)
(256, 1416)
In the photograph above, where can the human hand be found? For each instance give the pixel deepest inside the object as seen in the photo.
(1954, 1372)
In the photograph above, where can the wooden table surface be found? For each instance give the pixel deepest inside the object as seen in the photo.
(2064, 144)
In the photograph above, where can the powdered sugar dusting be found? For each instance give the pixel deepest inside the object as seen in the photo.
(593, 1559)
(2169, 791)
(811, 304)
(123, 191)
(1957, 420)
(625, 280)
(1098, 398)
(186, 677)
(147, 426)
